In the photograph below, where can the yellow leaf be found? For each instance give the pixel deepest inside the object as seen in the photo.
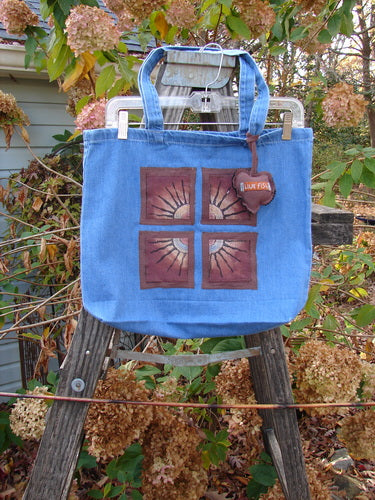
(325, 284)
(51, 250)
(83, 65)
(161, 24)
(75, 134)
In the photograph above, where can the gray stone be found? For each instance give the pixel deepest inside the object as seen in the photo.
(351, 486)
(341, 460)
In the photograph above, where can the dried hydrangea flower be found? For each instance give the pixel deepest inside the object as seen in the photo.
(172, 465)
(89, 29)
(357, 432)
(319, 483)
(326, 374)
(181, 13)
(111, 428)
(142, 8)
(368, 387)
(28, 416)
(92, 115)
(314, 6)
(115, 6)
(125, 21)
(10, 115)
(342, 107)
(257, 14)
(16, 15)
(233, 385)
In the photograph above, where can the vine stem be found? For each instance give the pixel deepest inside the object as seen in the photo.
(170, 404)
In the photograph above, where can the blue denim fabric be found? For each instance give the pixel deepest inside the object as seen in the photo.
(111, 221)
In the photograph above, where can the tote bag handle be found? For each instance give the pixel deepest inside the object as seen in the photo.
(253, 112)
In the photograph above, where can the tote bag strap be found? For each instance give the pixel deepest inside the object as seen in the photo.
(253, 112)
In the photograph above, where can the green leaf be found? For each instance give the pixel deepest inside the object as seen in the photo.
(370, 164)
(56, 66)
(277, 50)
(345, 185)
(298, 33)
(227, 3)
(314, 293)
(347, 26)
(95, 494)
(368, 178)
(107, 490)
(65, 6)
(136, 495)
(365, 315)
(278, 30)
(334, 24)
(255, 489)
(330, 322)
(264, 474)
(238, 26)
(324, 36)
(115, 491)
(105, 80)
(356, 170)
(86, 461)
(300, 324)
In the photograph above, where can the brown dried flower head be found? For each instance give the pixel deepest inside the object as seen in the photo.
(326, 374)
(172, 465)
(319, 483)
(342, 107)
(10, 115)
(233, 385)
(314, 6)
(357, 432)
(257, 14)
(142, 8)
(28, 416)
(111, 428)
(16, 15)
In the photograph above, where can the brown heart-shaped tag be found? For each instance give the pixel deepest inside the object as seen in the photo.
(254, 189)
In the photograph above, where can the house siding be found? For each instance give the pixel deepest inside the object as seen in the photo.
(45, 107)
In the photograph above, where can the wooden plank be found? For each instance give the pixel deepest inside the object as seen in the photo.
(321, 213)
(272, 385)
(332, 234)
(59, 448)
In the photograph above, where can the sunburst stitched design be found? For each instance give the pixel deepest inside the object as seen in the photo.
(220, 203)
(168, 195)
(166, 259)
(229, 260)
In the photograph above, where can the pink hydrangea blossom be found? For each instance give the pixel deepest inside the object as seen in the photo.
(92, 115)
(181, 13)
(89, 29)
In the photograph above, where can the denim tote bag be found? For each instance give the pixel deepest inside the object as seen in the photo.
(168, 245)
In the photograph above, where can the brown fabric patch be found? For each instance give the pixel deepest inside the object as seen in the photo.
(229, 260)
(220, 203)
(167, 195)
(166, 259)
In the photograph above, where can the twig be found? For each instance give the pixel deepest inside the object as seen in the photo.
(7, 216)
(38, 307)
(39, 235)
(41, 323)
(69, 179)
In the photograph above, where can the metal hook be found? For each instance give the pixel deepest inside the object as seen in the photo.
(205, 95)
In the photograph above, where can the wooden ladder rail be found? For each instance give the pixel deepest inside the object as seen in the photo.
(60, 445)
